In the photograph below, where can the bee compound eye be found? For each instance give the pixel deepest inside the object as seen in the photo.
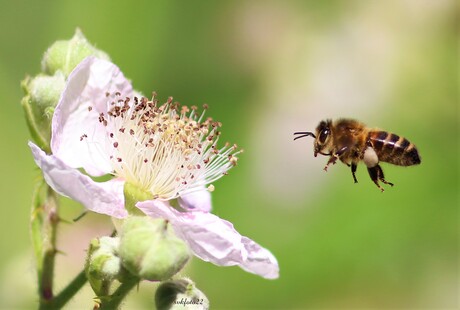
(323, 135)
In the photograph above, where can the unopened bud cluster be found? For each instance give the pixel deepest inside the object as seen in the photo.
(43, 91)
(147, 249)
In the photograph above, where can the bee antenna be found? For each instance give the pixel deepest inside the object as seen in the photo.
(303, 134)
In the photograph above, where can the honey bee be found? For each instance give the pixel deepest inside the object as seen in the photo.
(351, 142)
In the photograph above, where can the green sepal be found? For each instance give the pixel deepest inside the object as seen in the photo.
(133, 194)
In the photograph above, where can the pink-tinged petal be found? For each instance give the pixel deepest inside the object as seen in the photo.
(260, 260)
(79, 139)
(196, 201)
(215, 240)
(105, 197)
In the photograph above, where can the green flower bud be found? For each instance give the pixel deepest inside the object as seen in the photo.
(180, 294)
(103, 264)
(65, 55)
(42, 95)
(150, 250)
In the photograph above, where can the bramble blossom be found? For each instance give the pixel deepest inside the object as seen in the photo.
(166, 150)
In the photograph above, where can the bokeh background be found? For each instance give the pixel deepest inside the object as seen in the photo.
(267, 69)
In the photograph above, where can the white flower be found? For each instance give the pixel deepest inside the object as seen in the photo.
(164, 149)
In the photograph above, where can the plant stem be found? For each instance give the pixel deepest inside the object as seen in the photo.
(117, 297)
(44, 223)
(36, 227)
(66, 294)
(49, 248)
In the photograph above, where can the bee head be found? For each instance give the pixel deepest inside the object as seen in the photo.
(323, 136)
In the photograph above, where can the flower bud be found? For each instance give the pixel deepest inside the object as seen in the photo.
(180, 294)
(102, 264)
(150, 250)
(42, 95)
(65, 55)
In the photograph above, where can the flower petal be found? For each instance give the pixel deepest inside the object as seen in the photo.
(260, 260)
(106, 197)
(86, 87)
(215, 240)
(196, 201)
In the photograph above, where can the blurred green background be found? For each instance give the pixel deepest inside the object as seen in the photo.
(267, 69)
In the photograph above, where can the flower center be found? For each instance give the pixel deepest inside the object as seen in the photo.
(166, 149)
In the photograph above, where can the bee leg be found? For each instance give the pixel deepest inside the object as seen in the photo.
(382, 177)
(374, 174)
(353, 171)
(332, 160)
(335, 156)
(341, 151)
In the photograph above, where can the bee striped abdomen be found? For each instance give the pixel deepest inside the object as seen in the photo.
(394, 149)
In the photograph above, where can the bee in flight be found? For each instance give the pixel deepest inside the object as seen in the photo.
(351, 142)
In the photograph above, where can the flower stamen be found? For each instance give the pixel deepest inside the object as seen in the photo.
(167, 149)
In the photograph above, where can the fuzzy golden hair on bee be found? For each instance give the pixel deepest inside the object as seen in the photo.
(351, 142)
